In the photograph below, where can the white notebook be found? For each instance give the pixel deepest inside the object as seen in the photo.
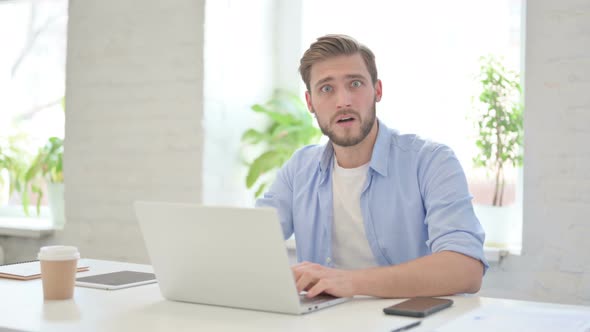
(29, 270)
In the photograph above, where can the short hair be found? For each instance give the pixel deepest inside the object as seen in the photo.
(330, 46)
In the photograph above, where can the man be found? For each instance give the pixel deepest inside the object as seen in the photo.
(374, 212)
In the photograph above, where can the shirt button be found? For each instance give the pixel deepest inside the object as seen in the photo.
(328, 260)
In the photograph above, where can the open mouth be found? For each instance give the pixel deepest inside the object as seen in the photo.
(344, 120)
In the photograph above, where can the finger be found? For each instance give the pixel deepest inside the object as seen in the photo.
(300, 268)
(319, 287)
(297, 271)
(300, 265)
(305, 281)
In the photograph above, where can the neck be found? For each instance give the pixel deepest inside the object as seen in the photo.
(360, 154)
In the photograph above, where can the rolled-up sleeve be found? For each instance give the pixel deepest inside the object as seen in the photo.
(451, 221)
(279, 196)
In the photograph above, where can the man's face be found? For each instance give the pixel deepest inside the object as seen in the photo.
(343, 98)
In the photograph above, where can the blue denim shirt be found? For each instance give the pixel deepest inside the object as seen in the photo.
(415, 201)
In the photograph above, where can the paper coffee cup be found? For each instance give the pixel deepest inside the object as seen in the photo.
(58, 271)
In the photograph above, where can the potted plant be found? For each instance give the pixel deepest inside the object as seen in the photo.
(6, 161)
(290, 127)
(46, 168)
(13, 164)
(500, 136)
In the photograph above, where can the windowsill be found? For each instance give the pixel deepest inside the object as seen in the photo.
(503, 229)
(492, 255)
(26, 227)
(14, 222)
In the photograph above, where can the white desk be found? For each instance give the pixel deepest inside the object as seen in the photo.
(144, 309)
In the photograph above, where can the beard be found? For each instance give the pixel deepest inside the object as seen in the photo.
(350, 139)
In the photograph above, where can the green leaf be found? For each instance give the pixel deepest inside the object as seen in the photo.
(290, 127)
(281, 118)
(260, 190)
(25, 200)
(37, 190)
(252, 136)
(265, 162)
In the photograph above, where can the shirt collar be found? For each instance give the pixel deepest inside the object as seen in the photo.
(379, 158)
(381, 150)
(327, 156)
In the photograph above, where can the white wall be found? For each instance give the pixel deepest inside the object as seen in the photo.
(555, 264)
(133, 127)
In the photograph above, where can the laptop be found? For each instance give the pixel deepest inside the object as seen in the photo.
(224, 256)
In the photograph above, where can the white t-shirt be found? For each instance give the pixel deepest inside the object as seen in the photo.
(350, 247)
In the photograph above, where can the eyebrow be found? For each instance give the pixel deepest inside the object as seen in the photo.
(356, 76)
(331, 78)
(324, 80)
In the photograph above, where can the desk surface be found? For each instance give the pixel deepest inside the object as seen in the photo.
(144, 309)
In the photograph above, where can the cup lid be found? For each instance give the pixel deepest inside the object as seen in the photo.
(58, 253)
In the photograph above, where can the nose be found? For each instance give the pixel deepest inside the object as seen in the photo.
(343, 99)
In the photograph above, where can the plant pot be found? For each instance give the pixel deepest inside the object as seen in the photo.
(55, 196)
(502, 224)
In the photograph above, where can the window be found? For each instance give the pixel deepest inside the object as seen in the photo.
(427, 54)
(32, 78)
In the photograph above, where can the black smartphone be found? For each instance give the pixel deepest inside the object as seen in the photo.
(418, 306)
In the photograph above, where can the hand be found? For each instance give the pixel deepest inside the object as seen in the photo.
(316, 279)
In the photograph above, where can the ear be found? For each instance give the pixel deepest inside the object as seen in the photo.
(378, 90)
(308, 100)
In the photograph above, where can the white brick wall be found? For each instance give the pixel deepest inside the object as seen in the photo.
(555, 265)
(133, 130)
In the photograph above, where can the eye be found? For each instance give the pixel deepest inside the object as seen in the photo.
(326, 88)
(356, 84)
